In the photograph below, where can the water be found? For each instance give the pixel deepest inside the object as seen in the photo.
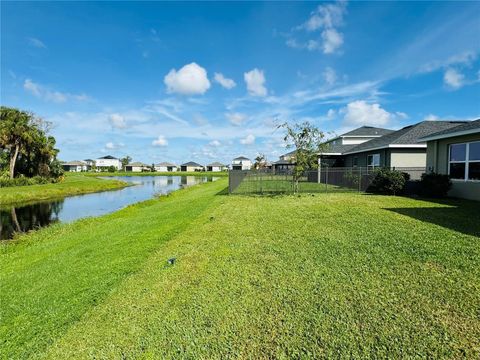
(23, 218)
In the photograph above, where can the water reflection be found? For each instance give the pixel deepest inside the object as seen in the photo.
(29, 217)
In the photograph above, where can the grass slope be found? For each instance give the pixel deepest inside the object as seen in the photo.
(332, 275)
(72, 185)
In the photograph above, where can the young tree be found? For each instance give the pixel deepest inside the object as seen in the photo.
(260, 162)
(125, 161)
(308, 141)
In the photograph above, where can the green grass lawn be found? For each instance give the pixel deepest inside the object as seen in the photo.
(332, 275)
(72, 185)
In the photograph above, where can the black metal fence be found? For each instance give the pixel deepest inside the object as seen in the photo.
(325, 179)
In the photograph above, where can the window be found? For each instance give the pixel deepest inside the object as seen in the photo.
(464, 161)
(373, 160)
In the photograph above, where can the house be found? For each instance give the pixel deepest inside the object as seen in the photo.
(215, 167)
(456, 151)
(332, 155)
(90, 163)
(75, 166)
(395, 149)
(166, 167)
(285, 163)
(191, 166)
(241, 163)
(103, 163)
(137, 167)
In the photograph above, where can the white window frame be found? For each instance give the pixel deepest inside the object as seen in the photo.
(467, 161)
(373, 156)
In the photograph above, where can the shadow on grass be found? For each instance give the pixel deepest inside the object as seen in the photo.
(461, 215)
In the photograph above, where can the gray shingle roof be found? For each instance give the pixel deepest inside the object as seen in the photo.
(462, 127)
(108, 157)
(137, 163)
(409, 135)
(165, 164)
(337, 148)
(241, 158)
(216, 164)
(368, 131)
(192, 163)
(74, 163)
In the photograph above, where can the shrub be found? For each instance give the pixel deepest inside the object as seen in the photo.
(435, 185)
(24, 181)
(112, 169)
(386, 181)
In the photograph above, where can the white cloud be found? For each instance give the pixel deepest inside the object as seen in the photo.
(360, 113)
(160, 141)
(225, 82)
(236, 119)
(325, 18)
(465, 58)
(110, 145)
(255, 80)
(431, 117)
(329, 76)
(36, 43)
(46, 94)
(248, 140)
(453, 78)
(189, 80)
(117, 121)
(332, 40)
(215, 143)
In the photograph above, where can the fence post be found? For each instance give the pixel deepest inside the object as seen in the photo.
(359, 179)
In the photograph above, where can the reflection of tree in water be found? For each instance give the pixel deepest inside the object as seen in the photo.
(28, 217)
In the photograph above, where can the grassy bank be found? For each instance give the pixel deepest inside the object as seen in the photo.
(331, 275)
(176, 173)
(72, 185)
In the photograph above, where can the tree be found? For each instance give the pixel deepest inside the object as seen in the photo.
(125, 161)
(308, 142)
(15, 133)
(260, 162)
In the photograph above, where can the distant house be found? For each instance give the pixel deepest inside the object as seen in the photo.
(89, 162)
(241, 163)
(456, 151)
(75, 166)
(104, 162)
(137, 167)
(215, 167)
(166, 167)
(191, 166)
(285, 163)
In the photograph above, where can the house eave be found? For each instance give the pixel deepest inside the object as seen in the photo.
(451, 134)
(389, 146)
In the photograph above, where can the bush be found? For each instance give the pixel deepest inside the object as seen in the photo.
(435, 185)
(112, 169)
(388, 182)
(24, 181)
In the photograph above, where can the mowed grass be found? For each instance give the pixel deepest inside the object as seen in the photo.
(326, 276)
(72, 185)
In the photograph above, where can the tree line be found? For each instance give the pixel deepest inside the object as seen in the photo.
(26, 148)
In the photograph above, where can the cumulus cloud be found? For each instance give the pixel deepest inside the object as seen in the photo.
(360, 113)
(110, 145)
(255, 80)
(189, 80)
(117, 121)
(236, 118)
(215, 143)
(225, 82)
(453, 78)
(248, 140)
(160, 141)
(46, 94)
(329, 76)
(36, 43)
(326, 19)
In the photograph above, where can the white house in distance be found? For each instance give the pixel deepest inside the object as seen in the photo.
(137, 167)
(89, 162)
(104, 162)
(75, 166)
(166, 167)
(215, 167)
(191, 166)
(241, 163)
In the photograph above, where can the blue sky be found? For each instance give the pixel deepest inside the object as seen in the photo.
(210, 81)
